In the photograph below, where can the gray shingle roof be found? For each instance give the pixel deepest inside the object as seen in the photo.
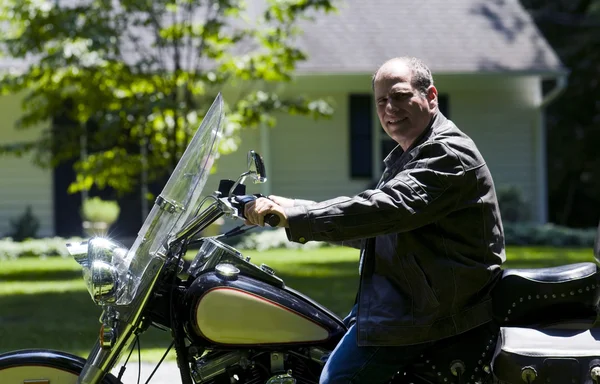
(451, 36)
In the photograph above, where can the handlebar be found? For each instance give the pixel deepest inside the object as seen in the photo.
(271, 219)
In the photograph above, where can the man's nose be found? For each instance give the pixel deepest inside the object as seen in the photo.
(390, 107)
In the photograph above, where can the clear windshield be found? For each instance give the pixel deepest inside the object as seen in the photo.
(173, 207)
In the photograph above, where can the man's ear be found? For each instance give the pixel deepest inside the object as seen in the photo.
(432, 96)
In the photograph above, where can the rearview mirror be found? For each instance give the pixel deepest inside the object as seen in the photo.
(256, 170)
(256, 167)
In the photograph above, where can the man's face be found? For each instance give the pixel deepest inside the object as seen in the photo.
(403, 111)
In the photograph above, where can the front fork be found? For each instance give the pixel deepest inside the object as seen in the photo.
(117, 332)
(103, 358)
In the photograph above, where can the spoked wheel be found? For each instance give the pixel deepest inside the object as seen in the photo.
(43, 366)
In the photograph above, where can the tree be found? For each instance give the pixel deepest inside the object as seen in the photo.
(137, 76)
(572, 27)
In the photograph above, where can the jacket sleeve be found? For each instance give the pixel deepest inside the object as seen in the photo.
(299, 202)
(428, 187)
(357, 243)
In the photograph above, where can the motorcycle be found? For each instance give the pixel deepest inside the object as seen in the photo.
(233, 321)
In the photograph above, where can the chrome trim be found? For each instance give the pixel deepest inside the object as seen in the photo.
(104, 281)
(319, 355)
(227, 271)
(277, 359)
(265, 268)
(282, 379)
(209, 367)
(78, 251)
(595, 373)
(99, 269)
(211, 253)
(108, 333)
(108, 336)
(254, 158)
(203, 220)
(168, 206)
(240, 180)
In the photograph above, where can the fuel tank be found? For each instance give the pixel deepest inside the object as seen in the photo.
(246, 311)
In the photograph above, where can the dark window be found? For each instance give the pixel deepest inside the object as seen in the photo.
(361, 136)
(443, 105)
(67, 220)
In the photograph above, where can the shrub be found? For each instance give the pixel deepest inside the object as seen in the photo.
(48, 247)
(515, 234)
(548, 235)
(96, 210)
(273, 239)
(513, 206)
(24, 226)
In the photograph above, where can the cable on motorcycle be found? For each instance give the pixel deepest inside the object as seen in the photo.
(139, 359)
(232, 232)
(122, 370)
(237, 231)
(176, 326)
(160, 362)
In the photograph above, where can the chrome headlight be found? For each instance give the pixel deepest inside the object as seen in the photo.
(99, 258)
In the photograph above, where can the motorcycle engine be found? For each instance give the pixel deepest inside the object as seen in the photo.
(226, 367)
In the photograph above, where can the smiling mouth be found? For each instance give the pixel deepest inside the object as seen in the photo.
(396, 121)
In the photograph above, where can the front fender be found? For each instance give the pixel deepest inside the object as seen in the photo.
(43, 364)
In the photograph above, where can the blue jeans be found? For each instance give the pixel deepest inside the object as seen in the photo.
(350, 363)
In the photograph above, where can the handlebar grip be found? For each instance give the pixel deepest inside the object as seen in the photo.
(272, 219)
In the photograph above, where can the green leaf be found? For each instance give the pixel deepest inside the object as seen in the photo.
(110, 92)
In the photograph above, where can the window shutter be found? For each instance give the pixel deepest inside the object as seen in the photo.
(361, 135)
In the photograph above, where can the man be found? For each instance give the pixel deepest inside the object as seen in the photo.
(430, 233)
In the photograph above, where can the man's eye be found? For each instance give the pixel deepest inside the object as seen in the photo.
(401, 96)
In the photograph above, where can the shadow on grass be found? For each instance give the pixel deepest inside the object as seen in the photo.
(332, 285)
(40, 275)
(68, 321)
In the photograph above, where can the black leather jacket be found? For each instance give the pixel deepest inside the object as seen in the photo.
(431, 240)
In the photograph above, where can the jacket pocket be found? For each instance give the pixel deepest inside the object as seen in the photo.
(422, 283)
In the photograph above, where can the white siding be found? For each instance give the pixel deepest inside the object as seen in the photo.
(502, 120)
(230, 166)
(311, 159)
(306, 158)
(21, 182)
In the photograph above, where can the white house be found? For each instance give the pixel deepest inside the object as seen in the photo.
(494, 71)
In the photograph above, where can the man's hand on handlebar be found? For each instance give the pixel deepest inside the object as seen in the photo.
(256, 210)
(282, 201)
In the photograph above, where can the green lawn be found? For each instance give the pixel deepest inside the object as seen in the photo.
(44, 303)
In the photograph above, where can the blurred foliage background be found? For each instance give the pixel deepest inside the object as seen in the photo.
(572, 27)
(135, 78)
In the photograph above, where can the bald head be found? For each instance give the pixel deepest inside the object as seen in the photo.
(421, 78)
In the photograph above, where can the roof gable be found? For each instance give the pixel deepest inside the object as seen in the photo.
(458, 36)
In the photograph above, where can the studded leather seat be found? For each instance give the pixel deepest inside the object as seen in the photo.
(530, 297)
(546, 355)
